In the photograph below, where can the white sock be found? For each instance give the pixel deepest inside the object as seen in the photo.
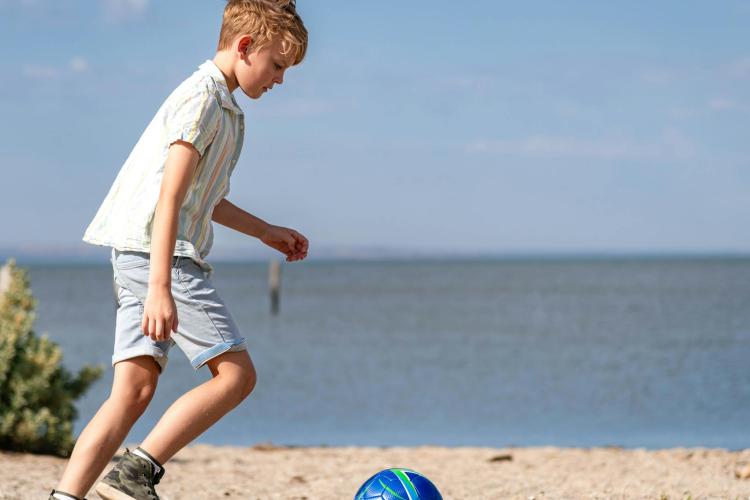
(62, 496)
(143, 455)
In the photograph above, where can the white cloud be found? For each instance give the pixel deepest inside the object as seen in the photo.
(40, 7)
(470, 82)
(120, 10)
(22, 3)
(40, 72)
(658, 76)
(740, 68)
(684, 112)
(541, 146)
(676, 145)
(720, 104)
(296, 108)
(672, 144)
(79, 65)
(76, 65)
(110, 10)
(723, 104)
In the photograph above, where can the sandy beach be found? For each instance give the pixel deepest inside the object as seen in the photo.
(272, 472)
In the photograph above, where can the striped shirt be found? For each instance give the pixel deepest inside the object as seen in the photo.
(203, 112)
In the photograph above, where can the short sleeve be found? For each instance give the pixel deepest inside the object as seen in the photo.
(194, 117)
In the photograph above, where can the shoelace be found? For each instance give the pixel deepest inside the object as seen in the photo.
(157, 477)
(153, 479)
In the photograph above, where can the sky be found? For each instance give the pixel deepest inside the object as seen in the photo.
(447, 128)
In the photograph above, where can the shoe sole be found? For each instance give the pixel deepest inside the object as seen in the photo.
(107, 492)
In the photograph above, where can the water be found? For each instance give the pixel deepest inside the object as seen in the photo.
(638, 353)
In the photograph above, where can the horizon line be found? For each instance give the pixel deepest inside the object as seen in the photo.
(343, 255)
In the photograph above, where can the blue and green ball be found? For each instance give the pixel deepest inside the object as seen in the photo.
(398, 484)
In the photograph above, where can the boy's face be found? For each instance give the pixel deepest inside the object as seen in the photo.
(258, 71)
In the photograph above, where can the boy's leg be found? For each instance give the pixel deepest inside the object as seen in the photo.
(233, 380)
(133, 387)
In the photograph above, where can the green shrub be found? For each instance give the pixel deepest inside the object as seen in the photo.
(36, 392)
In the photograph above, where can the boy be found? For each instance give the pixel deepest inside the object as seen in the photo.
(157, 219)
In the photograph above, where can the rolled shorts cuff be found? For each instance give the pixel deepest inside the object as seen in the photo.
(152, 351)
(212, 352)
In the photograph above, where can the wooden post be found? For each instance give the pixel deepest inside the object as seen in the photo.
(5, 279)
(274, 284)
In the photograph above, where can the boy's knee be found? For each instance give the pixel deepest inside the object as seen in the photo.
(237, 373)
(241, 384)
(136, 398)
(250, 379)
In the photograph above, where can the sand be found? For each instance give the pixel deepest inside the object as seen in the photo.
(271, 472)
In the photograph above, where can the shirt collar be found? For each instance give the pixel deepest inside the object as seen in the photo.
(227, 99)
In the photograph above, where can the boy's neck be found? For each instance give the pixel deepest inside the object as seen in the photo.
(224, 60)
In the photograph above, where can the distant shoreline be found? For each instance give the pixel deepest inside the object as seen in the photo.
(100, 257)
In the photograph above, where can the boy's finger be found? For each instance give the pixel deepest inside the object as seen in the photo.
(303, 244)
(144, 325)
(301, 238)
(159, 330)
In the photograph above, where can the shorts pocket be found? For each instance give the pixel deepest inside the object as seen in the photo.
(117, 290)
(131, 260)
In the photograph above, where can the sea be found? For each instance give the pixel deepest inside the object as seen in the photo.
(648, 352)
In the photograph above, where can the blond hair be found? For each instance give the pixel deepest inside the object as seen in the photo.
(262, 20)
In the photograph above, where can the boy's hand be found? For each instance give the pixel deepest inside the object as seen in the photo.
(159, 314)
(285, 240)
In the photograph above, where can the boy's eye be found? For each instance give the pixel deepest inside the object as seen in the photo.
(278, 66)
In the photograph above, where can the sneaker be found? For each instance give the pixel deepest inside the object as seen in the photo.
(131, 479)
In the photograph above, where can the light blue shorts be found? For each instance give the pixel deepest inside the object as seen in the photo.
(205, 328)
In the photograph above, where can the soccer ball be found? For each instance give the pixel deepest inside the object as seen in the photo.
(398, 484)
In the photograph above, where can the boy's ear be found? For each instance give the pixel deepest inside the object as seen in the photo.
(244, 43)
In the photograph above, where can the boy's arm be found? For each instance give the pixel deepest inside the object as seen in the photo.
(160, 312)
(285, 240)
(230, 215)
